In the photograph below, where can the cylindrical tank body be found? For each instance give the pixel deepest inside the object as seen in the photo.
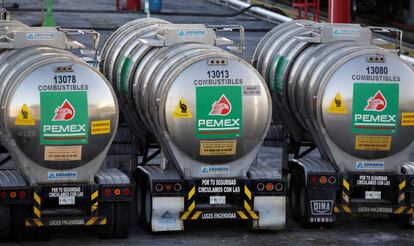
(353, 94)
(209, 106)
(58, 114)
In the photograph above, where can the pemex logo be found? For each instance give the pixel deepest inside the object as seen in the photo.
(378, 103)
(222, 107)
(64, 112)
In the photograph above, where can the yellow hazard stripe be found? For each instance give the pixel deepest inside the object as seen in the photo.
(345, 184)
(247, 192)
(346, 209)
(400, 210)
(37, 212)
(336, 210)
(91, 221)
(242, 215)
(103, 222)
(94, 206)
(401, 197)
(38, 222)
(94, 195)
(191, 193)
(402, 185)
(410, 211)
(253, 215)
(27, 223)
(196, 215)
(247, 206)
(37, 198)
(185, 215)
(191, 207)
(345, 197)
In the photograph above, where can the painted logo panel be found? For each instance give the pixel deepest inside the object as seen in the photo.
(219, 112)
(64, 118)
(375, 108)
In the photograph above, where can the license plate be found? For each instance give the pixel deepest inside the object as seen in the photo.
(66, 200)
(373, 195)
(214, 200)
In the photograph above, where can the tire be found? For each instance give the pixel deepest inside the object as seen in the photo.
(303, 202)
(5, 225)
(139, 200)
(294, 196)
(122, 218)
(106, 231)
(147, 205)
(18, 229)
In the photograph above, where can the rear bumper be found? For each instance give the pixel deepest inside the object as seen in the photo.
(68, 221)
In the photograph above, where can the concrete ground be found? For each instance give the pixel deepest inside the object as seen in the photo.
(99, 15)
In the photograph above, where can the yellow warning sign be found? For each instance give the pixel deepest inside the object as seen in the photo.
(337, 105)
(101, 127)
(407, 119)
(219, 147)
(182, 110)
(373, 143)
(25, 117)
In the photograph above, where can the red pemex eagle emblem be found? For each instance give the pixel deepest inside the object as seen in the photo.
(64, 112)
(377, 103)
(222, 107)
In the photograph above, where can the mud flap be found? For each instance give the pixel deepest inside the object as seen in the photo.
(166, 214)
(272, 212)
(321, 205)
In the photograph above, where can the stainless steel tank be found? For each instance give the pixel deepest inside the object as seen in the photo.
(207, 107)
(354, 98)
(58, 114)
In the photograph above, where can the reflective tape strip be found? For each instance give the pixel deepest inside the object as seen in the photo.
(346, 209)
(402, 185)
(336, 210)
(27, 223)
(103, 222)
(37, 212)
(196, 215)
(410, 211)
(345, 184)
(401, 197)
(191, 207)
(247, 206)
(185, 215)
(94, 195)
(191, 193)
(242, 215)
(345, 197)
(94, 206)
(400, 210)
(38, 222)
(253, 215)
(247, 192)
(91, 221)
(37, 198)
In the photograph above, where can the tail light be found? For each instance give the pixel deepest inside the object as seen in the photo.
(279, 187)
(260, 186)
(126, 191)
(117, 192)
(159, 187)
(332, 180)
(107, 192)
(269, 186)
(178, 187)
(323, 180)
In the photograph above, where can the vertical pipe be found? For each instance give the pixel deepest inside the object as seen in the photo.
(339, 11)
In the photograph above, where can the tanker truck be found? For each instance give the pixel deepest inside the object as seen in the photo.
(203, 113)
(58, 118)
(333, 88)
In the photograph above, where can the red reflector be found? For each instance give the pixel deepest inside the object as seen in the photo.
(117, 192)
(323, 180)
(22, 194)
(313, 179)
(13, 194)
(126, 191)
(3, 195)
(269, 187)
(107, 192)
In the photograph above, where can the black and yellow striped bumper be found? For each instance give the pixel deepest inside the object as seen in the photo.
(70, 221)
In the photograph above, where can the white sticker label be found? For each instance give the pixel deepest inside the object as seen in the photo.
(62, 175)
(191, 33)
(373, 195)
(40, 36)
(217, 200)
(369, 165)
(66, 200)
(215, 169)
(345, 32)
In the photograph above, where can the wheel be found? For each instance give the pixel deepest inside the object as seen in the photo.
(303, 203)
(122, 219)
(148, 209)
(106, 209)
(294, 197)
(5, 230)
